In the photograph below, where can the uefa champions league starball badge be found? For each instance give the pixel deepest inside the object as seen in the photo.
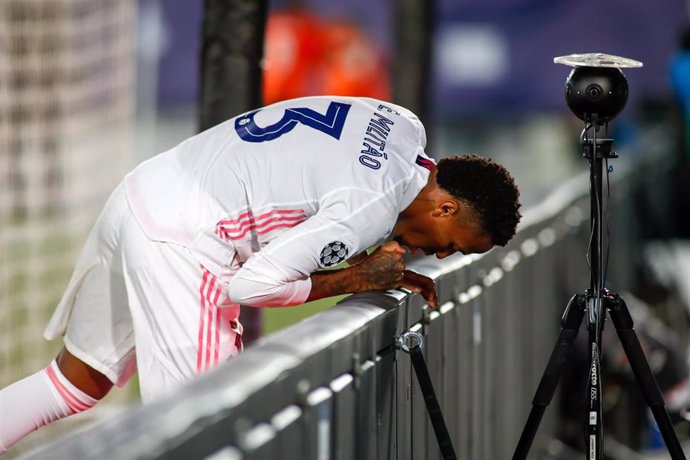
(333, 253)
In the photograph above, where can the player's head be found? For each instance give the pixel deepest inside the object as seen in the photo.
(469, 205)
(488, 189)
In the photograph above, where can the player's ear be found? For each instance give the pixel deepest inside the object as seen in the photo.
(446, 208)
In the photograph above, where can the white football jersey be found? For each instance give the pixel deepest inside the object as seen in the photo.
(268, 197)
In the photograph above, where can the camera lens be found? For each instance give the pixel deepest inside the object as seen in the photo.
(623, 91)
(594, 92)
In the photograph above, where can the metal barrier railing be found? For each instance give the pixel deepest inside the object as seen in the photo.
(335, 386)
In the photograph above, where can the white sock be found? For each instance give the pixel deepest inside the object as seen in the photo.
(38, 400)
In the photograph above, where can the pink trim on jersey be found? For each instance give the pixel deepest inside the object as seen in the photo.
(202, 315)
(213, 328)
(425, 162)
(208, 347)
(236, 229)
(248, 216)
(73, 401)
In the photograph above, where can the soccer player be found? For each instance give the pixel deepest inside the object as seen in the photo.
(247, 213)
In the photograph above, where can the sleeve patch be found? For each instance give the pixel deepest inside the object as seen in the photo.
(333, 253)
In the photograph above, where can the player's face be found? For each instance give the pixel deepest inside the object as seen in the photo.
(444, 234)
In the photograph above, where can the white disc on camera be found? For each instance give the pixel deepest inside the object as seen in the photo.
(596, 60)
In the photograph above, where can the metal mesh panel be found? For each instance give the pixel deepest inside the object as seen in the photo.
(66, 103)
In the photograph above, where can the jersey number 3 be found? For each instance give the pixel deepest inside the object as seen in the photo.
(330, 123)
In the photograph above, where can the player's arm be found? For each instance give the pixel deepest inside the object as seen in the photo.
(384, 269)
(285, 272)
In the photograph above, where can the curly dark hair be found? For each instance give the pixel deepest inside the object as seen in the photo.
(488, 188)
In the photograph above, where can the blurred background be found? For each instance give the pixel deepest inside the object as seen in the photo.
(493, 87)
(90, 88)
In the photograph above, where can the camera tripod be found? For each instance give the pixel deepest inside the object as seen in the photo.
(596, 92)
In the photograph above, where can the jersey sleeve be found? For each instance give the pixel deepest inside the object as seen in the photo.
(279, 274)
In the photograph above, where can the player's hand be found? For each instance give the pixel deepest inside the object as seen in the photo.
(382, 269)
(422, 285)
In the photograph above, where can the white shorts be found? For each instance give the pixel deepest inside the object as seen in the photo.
(139, 305)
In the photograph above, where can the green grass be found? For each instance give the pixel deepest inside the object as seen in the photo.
(278, 318)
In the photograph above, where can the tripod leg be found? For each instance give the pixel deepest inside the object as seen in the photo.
(570, 324)
(437, 422)
(643, 374)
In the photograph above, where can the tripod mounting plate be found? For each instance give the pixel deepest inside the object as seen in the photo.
(596, 60)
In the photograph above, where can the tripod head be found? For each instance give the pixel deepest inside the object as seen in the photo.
(596, 89)
(596, 92)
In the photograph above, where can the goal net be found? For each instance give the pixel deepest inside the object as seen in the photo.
(66, 105)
